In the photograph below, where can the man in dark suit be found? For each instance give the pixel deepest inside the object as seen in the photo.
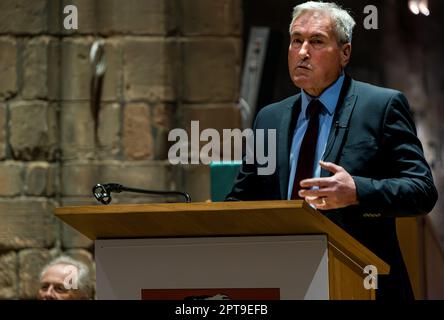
(348, 148)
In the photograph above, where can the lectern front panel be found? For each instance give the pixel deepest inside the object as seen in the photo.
(268, 267)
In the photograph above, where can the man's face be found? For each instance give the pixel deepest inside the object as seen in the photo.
(52, 284)
(315, 58)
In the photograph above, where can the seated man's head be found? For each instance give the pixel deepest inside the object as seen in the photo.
(65, 279)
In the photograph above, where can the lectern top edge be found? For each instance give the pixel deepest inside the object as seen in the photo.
(240, 218)
(183, 207)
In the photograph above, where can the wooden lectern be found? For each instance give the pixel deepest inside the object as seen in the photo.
(251, 250)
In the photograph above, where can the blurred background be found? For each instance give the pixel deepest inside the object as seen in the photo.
(65, 125)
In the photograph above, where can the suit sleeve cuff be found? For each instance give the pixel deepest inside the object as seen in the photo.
(366, 195)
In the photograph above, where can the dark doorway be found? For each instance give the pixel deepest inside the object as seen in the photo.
(276, 15)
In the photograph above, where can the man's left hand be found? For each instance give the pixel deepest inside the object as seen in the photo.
(337, 191)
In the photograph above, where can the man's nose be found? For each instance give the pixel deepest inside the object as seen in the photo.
(304, 50)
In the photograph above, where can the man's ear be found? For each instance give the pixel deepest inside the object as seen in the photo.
(345, 53)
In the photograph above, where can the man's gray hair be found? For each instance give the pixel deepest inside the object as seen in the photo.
(343, 21)
(84, 277)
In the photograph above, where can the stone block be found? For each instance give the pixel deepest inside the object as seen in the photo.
(144, 199)
(137, 132)
(163, 121)
(210, 116)
(78, 178)
(31, 263)
(53, 180)
(211, 70)
(157, 175)
(40, 179)
(144, 175)
(109, 130)
(55, 17)
(203, 17)
(8, 67)
(23, 16)
(77, 131)
(76, 68)
(113, 79)
(79, 201)
(40, 68)
(8, 275)
(11, 178)
(149, 69)
(2, 131)
(140, 17)
(26, 224)
(33, 130)
(71, 238)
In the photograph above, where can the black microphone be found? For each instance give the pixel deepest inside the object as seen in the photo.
(102, 192)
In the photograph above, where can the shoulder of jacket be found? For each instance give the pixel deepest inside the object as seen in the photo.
(367, 88)
(280, 106)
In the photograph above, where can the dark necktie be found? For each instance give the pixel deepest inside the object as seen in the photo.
(304, 169)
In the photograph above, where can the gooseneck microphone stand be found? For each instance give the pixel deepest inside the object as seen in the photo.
(102, 192)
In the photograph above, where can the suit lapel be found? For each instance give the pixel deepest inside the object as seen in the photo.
(285, 137)
(339, 129)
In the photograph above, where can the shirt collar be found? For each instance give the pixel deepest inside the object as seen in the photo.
(329, 97)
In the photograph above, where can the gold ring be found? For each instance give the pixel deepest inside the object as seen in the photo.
(324, 202)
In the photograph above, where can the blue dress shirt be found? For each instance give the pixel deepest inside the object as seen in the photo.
(329, 99)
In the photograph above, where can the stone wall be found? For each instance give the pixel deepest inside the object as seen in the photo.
(168, 62)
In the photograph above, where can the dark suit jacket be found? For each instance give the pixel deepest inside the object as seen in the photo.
(374, 138)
